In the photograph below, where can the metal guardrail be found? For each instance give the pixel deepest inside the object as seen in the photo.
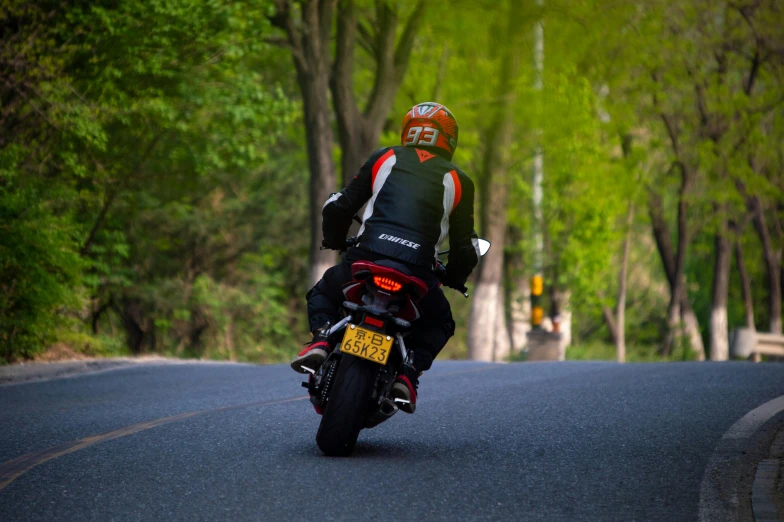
(746, 343)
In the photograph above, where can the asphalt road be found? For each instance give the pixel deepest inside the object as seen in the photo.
(541, 441)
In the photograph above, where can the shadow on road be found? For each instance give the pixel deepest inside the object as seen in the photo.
(382, 450)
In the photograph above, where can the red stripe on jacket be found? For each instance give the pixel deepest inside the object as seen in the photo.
(380, 161)
(458, 188)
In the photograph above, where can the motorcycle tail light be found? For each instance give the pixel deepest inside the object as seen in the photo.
(386, 283)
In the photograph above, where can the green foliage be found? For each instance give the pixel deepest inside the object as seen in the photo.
(153, 165)
(39, 269)
(124, 114)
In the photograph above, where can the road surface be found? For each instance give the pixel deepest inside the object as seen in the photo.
(537, 441)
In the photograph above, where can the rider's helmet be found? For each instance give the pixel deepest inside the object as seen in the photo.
(430, 124)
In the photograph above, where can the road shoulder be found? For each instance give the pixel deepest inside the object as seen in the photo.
(41, 371)
(729, 476)
(767, 496)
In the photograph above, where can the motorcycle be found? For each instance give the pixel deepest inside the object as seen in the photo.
(351, 389)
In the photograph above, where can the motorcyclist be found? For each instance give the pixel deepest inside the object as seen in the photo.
(416, 198)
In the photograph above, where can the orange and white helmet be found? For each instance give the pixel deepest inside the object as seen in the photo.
(430, 124)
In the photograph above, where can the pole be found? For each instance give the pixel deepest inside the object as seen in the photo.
(537, 281)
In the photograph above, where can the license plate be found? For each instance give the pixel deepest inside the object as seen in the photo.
(367, 344)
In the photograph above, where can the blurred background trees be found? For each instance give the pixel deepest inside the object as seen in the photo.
(163, 165)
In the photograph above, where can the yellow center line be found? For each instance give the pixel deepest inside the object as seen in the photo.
(13, 469)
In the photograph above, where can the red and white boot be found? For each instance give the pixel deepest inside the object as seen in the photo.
(404, 390)
(313, 355)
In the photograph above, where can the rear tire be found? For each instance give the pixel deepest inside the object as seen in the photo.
(347, 406)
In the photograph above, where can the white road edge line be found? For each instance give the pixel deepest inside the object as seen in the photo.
(753, 420)
(717, 503)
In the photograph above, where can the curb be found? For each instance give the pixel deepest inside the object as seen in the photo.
(35, 371)
(767, 492)
(24, 373)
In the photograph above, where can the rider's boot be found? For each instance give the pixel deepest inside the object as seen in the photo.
(404, 389)
(314, 354)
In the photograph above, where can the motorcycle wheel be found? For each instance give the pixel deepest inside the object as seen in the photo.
(349, 400)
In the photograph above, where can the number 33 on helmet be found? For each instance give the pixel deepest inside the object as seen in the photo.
(430, 125)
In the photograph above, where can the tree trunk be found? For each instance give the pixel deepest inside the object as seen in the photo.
(620, 323)
(674, 335)
(111, 194)
(502, 346)
(322, 170)
(197, 325)
(359, 131)
(519, 310)
(681, 308)
(483, 318)
(309, 36)
(772, 263)
(674, 325)
(442, 65)
(228, 339)
(182, 327)
(719, 333)
(609, 320)
(692, 327)
(487, 318)
(132, 316)
(96, 313)
(519, 293)
(350, 122)
(745, 285)
(562, 312)
(680, 317)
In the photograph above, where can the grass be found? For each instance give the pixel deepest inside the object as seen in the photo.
(597, 351)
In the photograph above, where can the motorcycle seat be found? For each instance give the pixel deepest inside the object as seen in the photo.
(400, 267)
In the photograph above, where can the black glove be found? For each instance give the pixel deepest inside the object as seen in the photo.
(447, 279)
(329, 246)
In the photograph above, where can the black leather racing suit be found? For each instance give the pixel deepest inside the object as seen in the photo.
(415, 200)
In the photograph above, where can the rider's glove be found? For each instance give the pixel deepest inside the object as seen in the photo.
(447, 279)
(329, 245)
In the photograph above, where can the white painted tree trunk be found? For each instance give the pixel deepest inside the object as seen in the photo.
(487, 319)
(520, 314)
(719, 332)
(502, 347)
(620, 322)
(562, 298)
(683, 323)
(719, 342)
(484, 321)
(692, 327)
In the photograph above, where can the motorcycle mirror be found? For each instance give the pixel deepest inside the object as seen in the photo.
(484, 246)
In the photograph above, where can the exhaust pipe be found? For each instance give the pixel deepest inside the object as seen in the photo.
(386, 409)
